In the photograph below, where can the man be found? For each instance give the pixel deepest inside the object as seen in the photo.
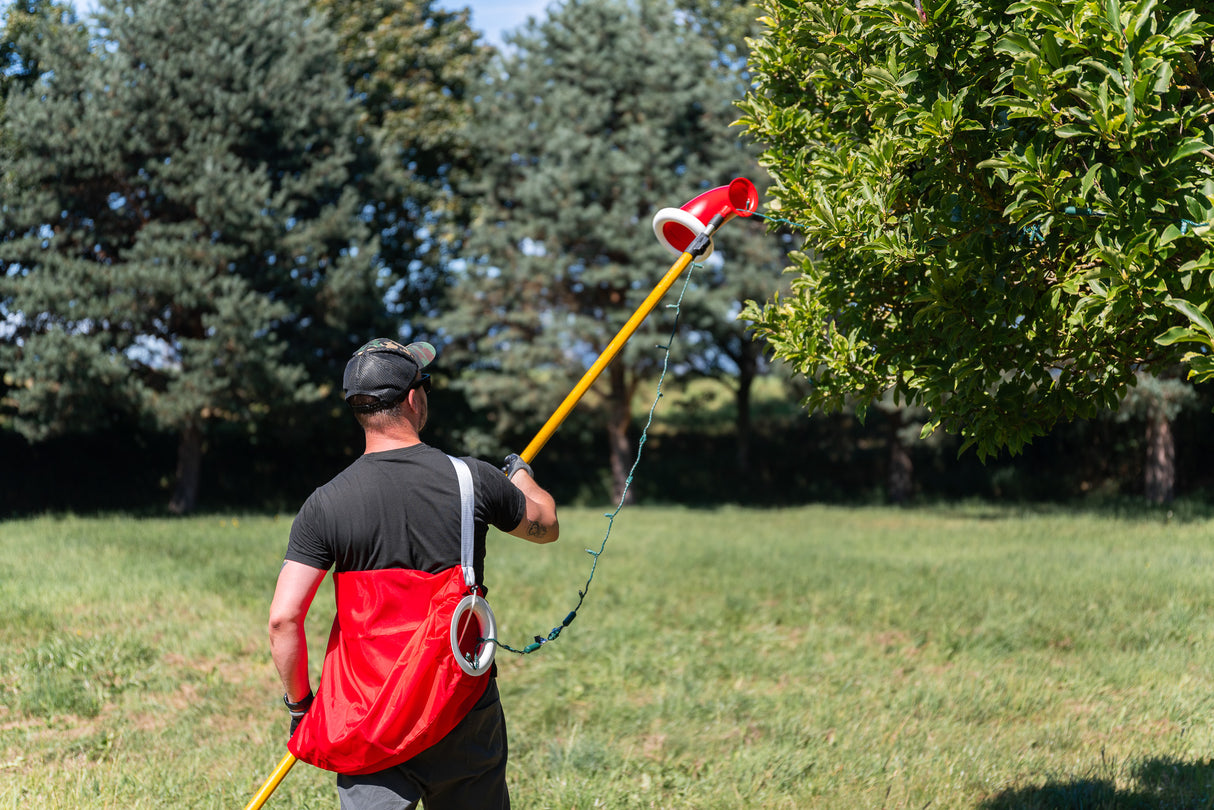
(393, 715)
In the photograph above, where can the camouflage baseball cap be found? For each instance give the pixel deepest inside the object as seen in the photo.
(382, 371)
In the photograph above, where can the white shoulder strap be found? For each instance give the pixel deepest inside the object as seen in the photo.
(467, 501)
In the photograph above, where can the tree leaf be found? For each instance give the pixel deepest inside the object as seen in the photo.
(1186, 148)
(1016, 43)
(1089, 178)
(1113, 15)
(1195, 315)
(1182, 334)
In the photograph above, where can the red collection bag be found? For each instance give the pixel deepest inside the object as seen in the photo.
(390, 687)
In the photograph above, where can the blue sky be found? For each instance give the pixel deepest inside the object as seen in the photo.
(495, 16)
(491, 17)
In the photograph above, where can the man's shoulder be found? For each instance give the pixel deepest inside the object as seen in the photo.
(369, 463)
(433, 459)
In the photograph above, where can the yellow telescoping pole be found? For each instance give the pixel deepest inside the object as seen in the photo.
(604, 359)
(739, 197)
(271, 784)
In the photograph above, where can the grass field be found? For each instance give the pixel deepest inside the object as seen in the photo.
(819, 657)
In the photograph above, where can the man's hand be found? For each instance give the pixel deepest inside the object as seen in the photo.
(514, 463)
(298, 709)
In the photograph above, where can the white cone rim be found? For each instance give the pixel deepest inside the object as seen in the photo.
(688, 221)
(480, 609)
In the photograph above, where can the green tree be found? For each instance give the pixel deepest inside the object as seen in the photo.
(23, 19)
(1007, 204)
(21, 22)
(602, 114)
(179, 240)
(413, 69)
(728, 24)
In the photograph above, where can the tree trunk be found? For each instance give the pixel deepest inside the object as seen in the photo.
(619, 417)
(900, 477)
(189, 466)
(1160, 467)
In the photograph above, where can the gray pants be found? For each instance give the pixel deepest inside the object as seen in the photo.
(466, 770)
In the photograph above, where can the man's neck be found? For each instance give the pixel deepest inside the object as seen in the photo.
(379, 441)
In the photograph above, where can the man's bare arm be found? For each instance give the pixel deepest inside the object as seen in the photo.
(540, 524)
(297, 584)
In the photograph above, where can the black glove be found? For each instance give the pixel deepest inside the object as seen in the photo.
(514, 463)
(298, 710)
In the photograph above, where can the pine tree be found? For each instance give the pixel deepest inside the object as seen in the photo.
(603, 113)
(414, 69)
(24, 19)
(178, 241)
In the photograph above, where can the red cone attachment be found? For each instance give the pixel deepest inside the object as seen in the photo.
(677, 228)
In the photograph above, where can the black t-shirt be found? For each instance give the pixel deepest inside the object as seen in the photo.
(401, 509)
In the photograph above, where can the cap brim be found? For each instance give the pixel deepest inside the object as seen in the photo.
(422, 352)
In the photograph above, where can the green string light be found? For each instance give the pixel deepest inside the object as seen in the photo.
(611, 516)
(780, 221)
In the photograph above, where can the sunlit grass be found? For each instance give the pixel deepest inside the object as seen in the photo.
(813, 657)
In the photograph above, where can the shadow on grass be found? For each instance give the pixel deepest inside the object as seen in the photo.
(1153, 784)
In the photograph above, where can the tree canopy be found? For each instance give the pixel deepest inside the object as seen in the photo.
(177, 214)
(412, 70)
(1007, 207)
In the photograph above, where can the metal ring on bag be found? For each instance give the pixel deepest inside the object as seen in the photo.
(486, 647)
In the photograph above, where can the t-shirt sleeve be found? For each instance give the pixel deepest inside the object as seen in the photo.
(503, 505)
(306, 544)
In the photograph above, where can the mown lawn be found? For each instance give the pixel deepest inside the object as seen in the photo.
(816, 657)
